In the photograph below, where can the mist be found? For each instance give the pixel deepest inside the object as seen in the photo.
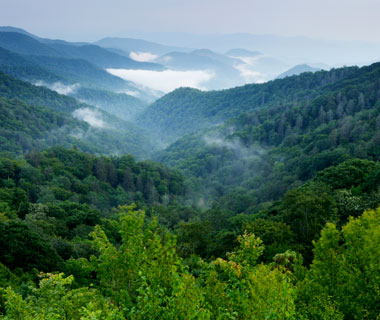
(59, 87)
(167, 80)
(143, 56)
(92, 117)
(240, 151)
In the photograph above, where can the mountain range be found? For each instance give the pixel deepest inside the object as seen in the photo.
(118, 201)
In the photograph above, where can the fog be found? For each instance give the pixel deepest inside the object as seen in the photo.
(143, 56)
(59, 87)
(240, 151)
(92, 117)
(249, 75)
(167, 80)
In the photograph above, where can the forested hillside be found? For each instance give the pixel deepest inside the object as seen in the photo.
(24, 44)
(62, 120)
(187, 110)
(266, 204)
(257, 156)
(56, 197)
(120, 104)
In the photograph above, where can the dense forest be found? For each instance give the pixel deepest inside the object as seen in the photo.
(264, 204)
(187, 110)
(76, 124)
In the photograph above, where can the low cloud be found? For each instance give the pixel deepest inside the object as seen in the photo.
(92, 117)
(165, 81)
(132, 93)
(59, 87)
(247, 70)
(240, 151)
(249, 74)
(143, 56)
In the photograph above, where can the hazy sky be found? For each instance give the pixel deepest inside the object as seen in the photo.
(92, 19)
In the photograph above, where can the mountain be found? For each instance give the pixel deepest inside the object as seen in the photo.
(198, 60)
(122, 105)
(23, 44)
(291, 50)
(81, 71)
(19, 67)
(69, 63)
(259, 155)
(102, 57)
(187, 110)
(17, 30)
(224, 74)
(73, 123)
(42, 40)
(270, 208)
(296, 70)
(138, 45)
(239, 52)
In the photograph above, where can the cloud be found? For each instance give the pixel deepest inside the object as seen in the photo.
(240, 151)
(92, 117)
(59, 87)
(165, 81)
(143, 56)
(132, 93)
(249, 74)
(247, 70)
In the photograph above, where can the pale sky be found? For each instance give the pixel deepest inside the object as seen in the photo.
(90, 20)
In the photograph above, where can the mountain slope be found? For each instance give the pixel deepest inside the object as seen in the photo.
(81, 71)
(119, 104)
(24, 44)
(296, 70)
(17, 66)
(96, 130)
(52, 68)
(222, 69)
(188, 110)
(137, 45)
(257, 156)
(25, 128)
(102, 57)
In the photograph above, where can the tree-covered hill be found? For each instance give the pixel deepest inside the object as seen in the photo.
(270, 209)
(25, 128)
(66, 70)
(257, 156)
(17, 66)
(82, 71)
(187, 110)
(53, 199)
(24, 44)
(14, 88)
(296, 70)
(120, 104)
(92, 129)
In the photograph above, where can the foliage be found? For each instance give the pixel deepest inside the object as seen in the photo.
(34, 118)
(344, 275)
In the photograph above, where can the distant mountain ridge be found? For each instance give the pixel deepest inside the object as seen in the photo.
(23, 44)
(296, 70)
(187, 110)
(239, 52)
(258, 155)
(92, 129)
(138, 45)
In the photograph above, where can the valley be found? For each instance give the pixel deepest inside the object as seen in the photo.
(147, 180)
